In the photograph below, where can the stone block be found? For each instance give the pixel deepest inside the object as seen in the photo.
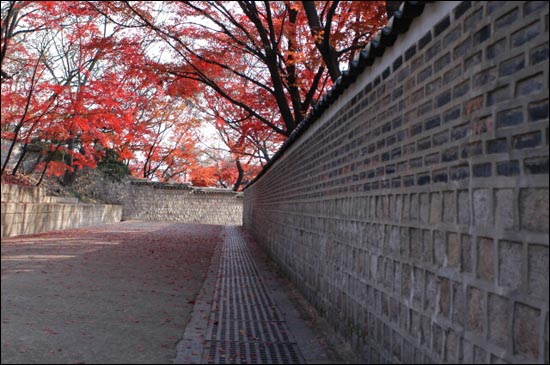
(398, 208)
(445, 297)
(396, 344)
(475, 310)
(394, 239)
(406, 280)
(499, 314)
(533, 84)
(510, 264)
(404, 244)
(453, 250)
(504, 210)
(480, 355)
(415, 207)
(546, 340)
(467, 352)
(424, 207)
(406, 208)
(525, 34)
(432, 290)
(416, 243)
(459, 307)
(536, 165)
(531, 7)
(426, 330)
(463, 207)
(483, 208)
(533, 209)
(529, 140)
(537, 269)
(440, 249)
(427, 247)
(496, 48)
(435, 208)
(438, 340)
(539, 54)
(449, 207)
(512, 65)
(418, 287)
(526, 331)
(508, 168)
(486, 258)
(415, 325)
(509, 118)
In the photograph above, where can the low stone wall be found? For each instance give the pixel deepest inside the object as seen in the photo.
(157, 201)
(31, 218)
(22, 194)
(181, 203)
(27, 210)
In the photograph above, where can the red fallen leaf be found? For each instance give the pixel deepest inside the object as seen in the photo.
(191, 302)
(51, 331)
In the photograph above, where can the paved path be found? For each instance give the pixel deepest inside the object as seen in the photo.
(119, 293)
(127, 292)
(244, 316)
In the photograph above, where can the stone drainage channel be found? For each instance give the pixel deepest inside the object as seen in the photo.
(237, 320)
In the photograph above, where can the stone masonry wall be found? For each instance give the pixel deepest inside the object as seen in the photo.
(27, 210)
(414, 212)
(161, 202)
(155, 201)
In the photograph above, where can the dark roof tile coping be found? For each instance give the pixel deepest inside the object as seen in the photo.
(183, 186)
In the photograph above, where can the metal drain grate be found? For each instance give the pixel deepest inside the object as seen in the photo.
(251, 353)
(249, 331)
(245, 325)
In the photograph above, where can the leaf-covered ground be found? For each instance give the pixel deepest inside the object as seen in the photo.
(120, 293)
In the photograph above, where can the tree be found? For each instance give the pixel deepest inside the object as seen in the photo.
(81, 86)
(83, 78)
(262, 56)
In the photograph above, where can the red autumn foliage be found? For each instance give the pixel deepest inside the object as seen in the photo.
(83, 78)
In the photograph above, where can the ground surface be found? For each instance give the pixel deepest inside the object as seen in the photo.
(112, 294)
(129, 293)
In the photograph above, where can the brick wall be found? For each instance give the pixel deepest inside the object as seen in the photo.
(414, 212)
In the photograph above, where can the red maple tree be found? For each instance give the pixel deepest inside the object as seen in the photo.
(82, 78)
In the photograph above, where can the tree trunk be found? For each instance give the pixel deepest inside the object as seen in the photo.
(20, 161)
(239, 177)
(10, 150)
(68, 177)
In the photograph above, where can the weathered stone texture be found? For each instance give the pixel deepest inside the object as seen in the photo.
(420, 200)
(159, 202)
(28, 210)
(155, 201)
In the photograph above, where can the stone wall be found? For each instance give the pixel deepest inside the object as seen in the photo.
(414, 212)
(27, 210)
(156, 201)
(181, 203)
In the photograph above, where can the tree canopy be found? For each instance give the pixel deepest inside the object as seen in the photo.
(81, 78)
